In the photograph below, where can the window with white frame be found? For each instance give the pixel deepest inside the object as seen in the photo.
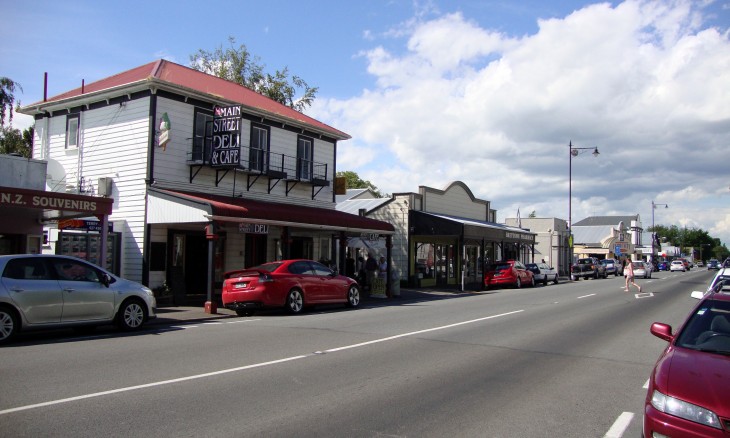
(259, 150)
(304, 158)
(72, 131)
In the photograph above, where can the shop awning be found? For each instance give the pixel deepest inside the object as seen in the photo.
(174, 206)
(441, 224)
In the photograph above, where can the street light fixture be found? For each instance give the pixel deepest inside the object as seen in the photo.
(573, 152)
(653, 231)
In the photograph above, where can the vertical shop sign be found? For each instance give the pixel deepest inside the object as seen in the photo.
(226, 137)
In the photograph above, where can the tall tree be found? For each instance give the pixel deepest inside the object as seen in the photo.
(7, 99)
(237, 65)
(12, 141)
(354, 181)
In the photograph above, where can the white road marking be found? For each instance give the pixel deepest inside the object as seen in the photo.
(620, 425)
(241, 368)
(646, 385)
(585, 296)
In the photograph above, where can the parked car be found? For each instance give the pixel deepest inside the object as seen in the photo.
(292, 284)
(713, 264)
(508, 272)
(686, 264)
(612, 267)
(543, 273)
(642, 269)
(699, 263)
(677, 265)
(40, 291)
(689, 385)
(588, 267)
(663, 266)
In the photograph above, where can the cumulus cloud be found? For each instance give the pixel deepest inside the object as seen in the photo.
(647, 82)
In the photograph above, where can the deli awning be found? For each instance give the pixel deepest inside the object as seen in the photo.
(170, 206)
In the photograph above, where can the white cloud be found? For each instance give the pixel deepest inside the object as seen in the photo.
(643, 81)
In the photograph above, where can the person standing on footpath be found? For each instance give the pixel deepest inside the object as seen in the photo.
(629, 272)
(371, 270)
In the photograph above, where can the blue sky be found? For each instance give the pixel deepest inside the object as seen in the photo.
(486, 92)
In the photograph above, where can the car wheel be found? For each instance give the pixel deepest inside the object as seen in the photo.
(518, 283)
(544, 280)
(532, 282)
(555, 280)
(8, 324)
(353, 296)
(295, 301)
(245, 312)
(131, 315)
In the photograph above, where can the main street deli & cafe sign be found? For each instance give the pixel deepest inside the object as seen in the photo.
(226, 137)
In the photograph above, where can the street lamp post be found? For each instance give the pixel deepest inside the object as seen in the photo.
(573, 152)
(653, 231)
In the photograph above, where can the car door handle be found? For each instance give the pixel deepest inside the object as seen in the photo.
(68, 289)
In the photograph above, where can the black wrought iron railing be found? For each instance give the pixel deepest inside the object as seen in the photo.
(254, 160)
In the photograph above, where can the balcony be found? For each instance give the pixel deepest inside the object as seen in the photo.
(258, 163)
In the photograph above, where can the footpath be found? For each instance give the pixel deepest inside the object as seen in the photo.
(174, 314)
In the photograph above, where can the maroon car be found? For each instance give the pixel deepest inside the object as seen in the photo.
(689, 389)
(508, 272)
(293, 284)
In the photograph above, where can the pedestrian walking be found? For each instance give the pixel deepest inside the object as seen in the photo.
(629, 272)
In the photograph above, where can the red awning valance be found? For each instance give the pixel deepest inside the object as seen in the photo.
(233, 209)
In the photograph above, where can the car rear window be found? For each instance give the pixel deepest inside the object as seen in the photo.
(499, 266)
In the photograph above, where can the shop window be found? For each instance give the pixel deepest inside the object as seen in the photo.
(259, 150)
(304, 158)
(72, 131)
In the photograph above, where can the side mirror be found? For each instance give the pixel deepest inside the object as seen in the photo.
(106, 280)
(662, 331)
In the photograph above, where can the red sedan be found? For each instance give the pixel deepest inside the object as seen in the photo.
(689, 389)
(508, 272)
(293, 284)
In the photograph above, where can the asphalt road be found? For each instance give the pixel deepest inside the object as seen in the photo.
(566, 360)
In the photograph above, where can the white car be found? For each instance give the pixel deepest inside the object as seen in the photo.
(677, 265)
(543, 273)
(642, 269)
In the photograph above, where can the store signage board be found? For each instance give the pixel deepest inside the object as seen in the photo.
(226, 137)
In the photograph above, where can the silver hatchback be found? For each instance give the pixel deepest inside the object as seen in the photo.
(48, 291)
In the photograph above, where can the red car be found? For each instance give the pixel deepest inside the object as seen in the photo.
(508, 272)
(293, 284)
(689, 389)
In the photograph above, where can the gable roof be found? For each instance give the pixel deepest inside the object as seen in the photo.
(164, 73)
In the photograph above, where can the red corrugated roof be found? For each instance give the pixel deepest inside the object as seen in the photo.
(179, 75)
(261, 210)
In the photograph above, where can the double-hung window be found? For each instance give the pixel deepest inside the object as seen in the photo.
(259, 151)
(202, 136)
(305, 155)
(72, 131)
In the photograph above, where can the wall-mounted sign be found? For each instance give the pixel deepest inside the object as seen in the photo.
(226, 137)
(253, 228)
(82, 225)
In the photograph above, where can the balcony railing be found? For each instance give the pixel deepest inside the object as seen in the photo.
(260, 162)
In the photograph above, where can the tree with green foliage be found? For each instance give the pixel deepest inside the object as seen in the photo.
(354, 181)
(237, 65)
(12, 141)
(7, 99)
